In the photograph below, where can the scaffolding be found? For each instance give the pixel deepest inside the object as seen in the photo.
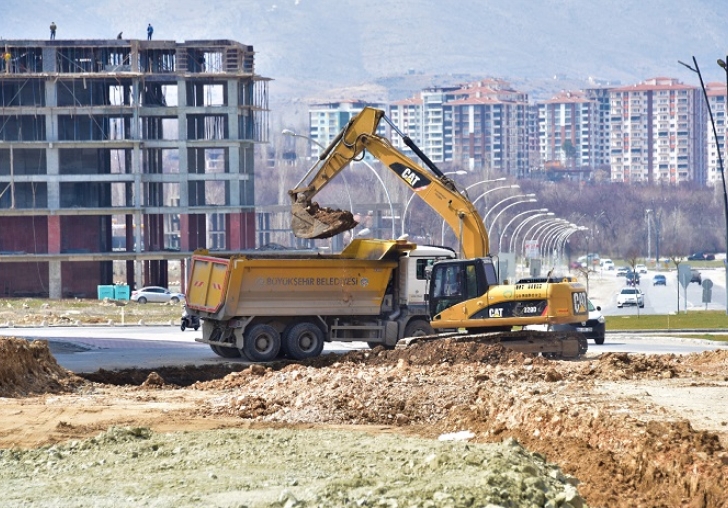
(124, 149)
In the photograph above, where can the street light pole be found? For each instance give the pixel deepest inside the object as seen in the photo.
(495, 219)
(513, 244)
(529, 198)
(514, 186)
(503, 231)
(696, 70)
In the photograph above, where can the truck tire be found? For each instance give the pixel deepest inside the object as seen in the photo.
(599, 340)
(418, 328)
(225, 352)
(304, 340)
(262, 343)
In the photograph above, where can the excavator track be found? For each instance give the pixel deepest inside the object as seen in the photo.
(552, 344)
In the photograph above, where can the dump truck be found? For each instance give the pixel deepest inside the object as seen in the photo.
(284, 303)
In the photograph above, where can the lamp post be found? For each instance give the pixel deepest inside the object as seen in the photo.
(514, 186)
(406, 206)
(514, 239)
(546, 235)
(529, 198)
(538, 225)
(696, 69)
(539, 228)
(552, 243)
(647, 216)
(503, 231)
(495, 219)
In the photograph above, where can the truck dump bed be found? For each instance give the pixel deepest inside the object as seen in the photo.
(351, 283)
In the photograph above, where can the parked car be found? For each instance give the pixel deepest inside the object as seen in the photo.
(593, 328)
(640, 268)
(607, 264)
(701, 256)
(659, 280)
(156, 294)
(630, 296)
(696, 277)
(632, 278)
(622, 271)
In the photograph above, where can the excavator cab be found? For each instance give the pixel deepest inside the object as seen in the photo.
(452, 282)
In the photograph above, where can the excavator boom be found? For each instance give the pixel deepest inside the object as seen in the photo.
(309, 220)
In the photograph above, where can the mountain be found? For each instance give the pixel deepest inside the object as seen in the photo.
(387, 49)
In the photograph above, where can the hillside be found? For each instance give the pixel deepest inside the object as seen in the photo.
(317, 49)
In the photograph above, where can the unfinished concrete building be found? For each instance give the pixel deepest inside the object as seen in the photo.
(139, 151)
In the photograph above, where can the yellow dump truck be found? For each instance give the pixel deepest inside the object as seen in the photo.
(265, 305)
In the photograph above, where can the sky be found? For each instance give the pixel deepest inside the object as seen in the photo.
(310, 45)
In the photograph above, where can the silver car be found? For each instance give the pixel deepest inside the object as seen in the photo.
(156, 294)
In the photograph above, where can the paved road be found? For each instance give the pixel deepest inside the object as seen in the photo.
(88, 349)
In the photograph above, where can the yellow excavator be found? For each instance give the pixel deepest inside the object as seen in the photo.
(465, 298)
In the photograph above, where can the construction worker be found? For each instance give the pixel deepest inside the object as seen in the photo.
(7, 56)
(150, 31)
(53, 30)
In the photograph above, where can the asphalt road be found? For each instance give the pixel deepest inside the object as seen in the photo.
(88, 349)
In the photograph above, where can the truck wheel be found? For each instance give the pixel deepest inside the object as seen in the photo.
(262, 343)
(225, 352)
(418, 328)
(182, 326)
(599, 340)
(304, 340)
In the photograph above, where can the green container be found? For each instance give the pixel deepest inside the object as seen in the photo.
(105, 292)
(121, 292)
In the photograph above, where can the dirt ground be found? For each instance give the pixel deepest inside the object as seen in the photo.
(633, 430)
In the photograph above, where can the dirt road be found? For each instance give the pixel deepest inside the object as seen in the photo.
(619, 430)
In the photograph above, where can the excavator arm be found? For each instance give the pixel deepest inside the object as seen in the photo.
(439, 192)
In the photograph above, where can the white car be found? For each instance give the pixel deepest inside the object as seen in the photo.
(156, 294)
(640, 268)
(630, 296)
(607, 264)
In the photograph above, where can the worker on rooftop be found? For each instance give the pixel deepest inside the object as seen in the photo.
(150, 31)
(53, 30)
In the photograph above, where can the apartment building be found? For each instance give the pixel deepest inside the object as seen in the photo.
(139, 151)
(658, 133)
(573, 132)
(489, 124)
(717, 99)
(407, 115)
(326, 120)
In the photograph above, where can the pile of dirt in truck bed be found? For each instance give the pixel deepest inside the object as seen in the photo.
(29, 368)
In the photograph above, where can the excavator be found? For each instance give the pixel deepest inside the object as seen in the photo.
(465, 298)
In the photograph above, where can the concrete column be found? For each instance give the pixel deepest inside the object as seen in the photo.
(184, 199)
(55, 283)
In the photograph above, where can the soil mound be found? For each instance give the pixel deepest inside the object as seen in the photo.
(28, 368)
(442, 351)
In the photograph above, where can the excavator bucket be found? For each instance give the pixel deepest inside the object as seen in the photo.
(309, 220)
